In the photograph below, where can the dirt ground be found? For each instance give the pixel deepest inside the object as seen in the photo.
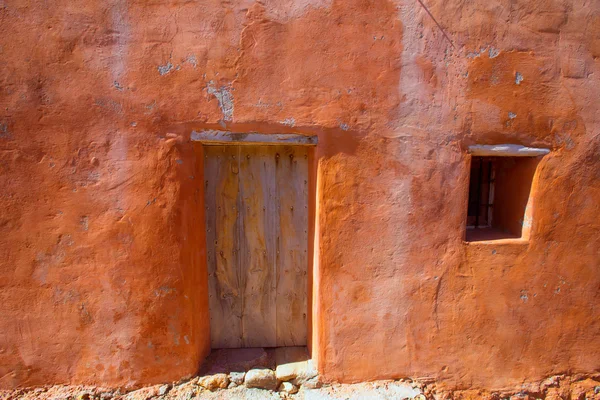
(560, 387)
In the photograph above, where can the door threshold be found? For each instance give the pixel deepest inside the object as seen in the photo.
(244, 359)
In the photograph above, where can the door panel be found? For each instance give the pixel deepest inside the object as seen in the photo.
(256, 222)
(258, 269)
(222, 236)
(292, 239)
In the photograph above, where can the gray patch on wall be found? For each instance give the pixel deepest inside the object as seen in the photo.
(493, 52)
(225, 99)
(518, 78)
(289, 122)
(192, 60)
(165, 69)
(4, 133)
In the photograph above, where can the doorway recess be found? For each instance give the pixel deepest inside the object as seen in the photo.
(256, 207)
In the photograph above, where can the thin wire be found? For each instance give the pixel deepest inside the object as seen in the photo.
(437, 23)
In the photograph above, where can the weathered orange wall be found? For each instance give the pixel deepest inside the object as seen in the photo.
(101, 258)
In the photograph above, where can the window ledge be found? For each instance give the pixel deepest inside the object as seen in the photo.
(496, 242)
(506, 150)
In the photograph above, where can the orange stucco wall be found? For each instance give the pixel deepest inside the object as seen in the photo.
(102, 264)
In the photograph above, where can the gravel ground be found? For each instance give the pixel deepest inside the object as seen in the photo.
(559, 387)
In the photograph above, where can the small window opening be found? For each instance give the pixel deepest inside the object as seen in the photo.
(499, 192)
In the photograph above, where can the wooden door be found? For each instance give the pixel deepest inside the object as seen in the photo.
(256, 200)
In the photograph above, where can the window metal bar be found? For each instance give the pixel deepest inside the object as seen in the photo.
(487, 209)
(480, 177)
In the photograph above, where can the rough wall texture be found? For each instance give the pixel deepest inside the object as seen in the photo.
(102, 264)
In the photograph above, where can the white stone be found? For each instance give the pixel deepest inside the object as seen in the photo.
(303, 375)
(237, 377)
(313, 383)
(163, 390)
(288, 387)
(287, 372)
(261, 378)
(214, 382)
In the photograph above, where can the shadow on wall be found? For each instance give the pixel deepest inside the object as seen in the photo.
(514, 183)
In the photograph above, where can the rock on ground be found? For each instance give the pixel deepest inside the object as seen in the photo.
(261, 378)
(288, 387)
(214, 382)
(237, 377)
(298, 372)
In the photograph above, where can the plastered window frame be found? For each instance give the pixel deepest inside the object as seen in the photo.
(487, 231)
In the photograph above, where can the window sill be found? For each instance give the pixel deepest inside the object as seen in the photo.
(491, 236)
(496, 242)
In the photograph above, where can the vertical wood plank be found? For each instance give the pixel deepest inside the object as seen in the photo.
(222, 226)
(292, 238)
(257, 188)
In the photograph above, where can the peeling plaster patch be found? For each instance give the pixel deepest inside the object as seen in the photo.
(524, 297)
(344, 127)
(476, 53)
(4, 133)
(561, 139)
(493, 52)
(225, 98)
(165, 69)
(84, 222)
(518, 78)
(289, 122)
(187, 339)
(192, 60)
(512, 115)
